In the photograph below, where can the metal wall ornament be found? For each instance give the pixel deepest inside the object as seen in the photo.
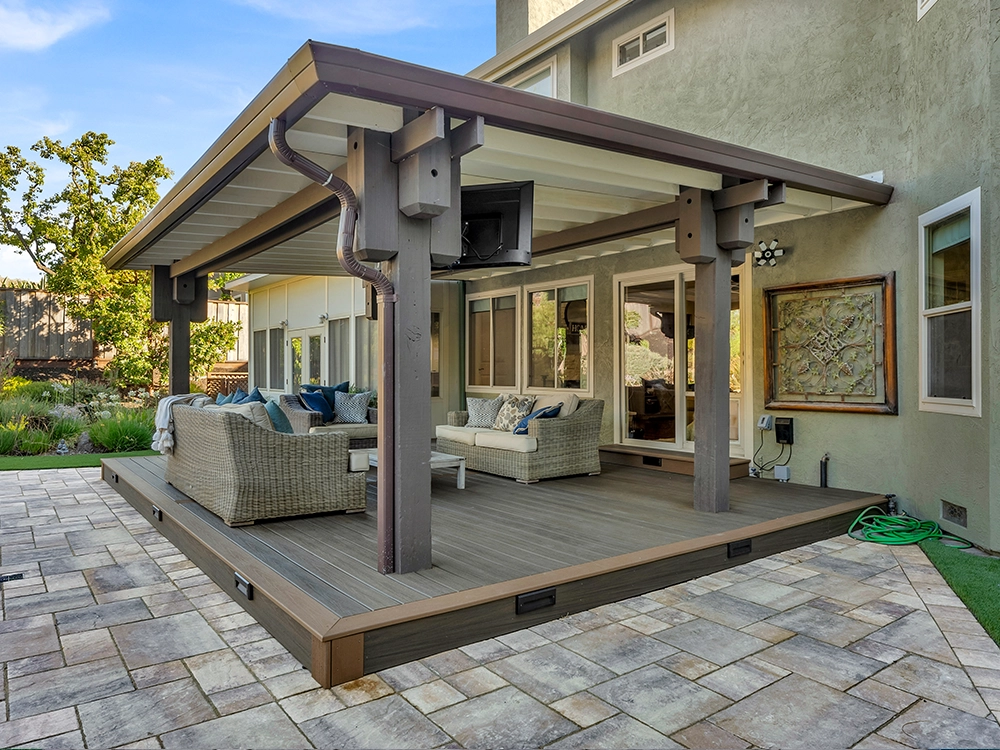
(767, 253)
(831, 345)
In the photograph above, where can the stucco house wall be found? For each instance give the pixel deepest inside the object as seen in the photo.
(859, 87)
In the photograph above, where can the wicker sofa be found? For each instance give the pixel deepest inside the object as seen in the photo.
(245, 473)
(306, 421)
(558, 447)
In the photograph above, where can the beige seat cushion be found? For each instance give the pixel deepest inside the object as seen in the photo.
(358, 460)
(507, 441)
(353, 431)
(570, 402)
(254, 411)
(465, 435)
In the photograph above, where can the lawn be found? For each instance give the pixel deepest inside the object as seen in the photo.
(77, 461)
(975, 579)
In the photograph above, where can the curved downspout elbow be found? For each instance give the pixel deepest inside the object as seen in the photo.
(348, 206)
(387, 313)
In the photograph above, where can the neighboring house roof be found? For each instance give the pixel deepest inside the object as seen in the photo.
(239, 209)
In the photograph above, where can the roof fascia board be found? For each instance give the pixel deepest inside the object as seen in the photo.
(361, 74)
(292, 91)
(543, 39)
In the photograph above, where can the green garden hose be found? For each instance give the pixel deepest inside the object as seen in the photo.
(898, 529)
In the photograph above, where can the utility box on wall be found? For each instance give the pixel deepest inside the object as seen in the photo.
(783, 431)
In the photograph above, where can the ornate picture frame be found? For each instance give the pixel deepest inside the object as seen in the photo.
(831, 345)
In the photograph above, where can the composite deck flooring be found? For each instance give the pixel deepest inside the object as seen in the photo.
(497, 530)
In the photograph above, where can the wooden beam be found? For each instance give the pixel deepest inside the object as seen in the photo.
(628, 225)
(467, 137)
(418, 134)
(738, 195)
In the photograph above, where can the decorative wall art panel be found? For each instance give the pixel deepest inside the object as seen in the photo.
(831, 345)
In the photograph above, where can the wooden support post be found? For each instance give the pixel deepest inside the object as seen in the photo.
(180, 349)
(711, 377)
(697, 243)
(410, 273)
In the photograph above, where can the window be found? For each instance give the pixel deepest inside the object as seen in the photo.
(315, 359)
(260, 359)
(366, 353)
(540, 79)
(558, 324)
(949, 303)
(276, 358)
(435, 354)
(644, 43)
(339, 333)
(492, 332)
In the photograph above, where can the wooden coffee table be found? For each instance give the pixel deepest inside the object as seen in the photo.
(438, 461)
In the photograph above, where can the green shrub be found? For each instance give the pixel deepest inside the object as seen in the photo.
(34, 414)
(11, 386)
(126, 430)
(8, 440)
(66, 428)
(33, 442)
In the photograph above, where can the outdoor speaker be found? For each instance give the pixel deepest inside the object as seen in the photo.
(496, 225)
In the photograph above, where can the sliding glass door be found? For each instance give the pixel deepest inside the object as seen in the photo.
(657, 352)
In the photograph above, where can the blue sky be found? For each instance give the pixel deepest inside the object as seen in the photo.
(167, 76)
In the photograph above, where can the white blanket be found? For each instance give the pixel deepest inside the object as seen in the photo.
(163, 438)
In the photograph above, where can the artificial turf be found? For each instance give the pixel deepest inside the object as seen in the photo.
(975, 579)
(76, 461)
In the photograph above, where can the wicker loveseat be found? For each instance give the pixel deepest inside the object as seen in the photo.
(558, 447)
(364, 435)
(245, 473)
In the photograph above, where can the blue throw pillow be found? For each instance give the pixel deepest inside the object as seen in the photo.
(238, 395)
(220, 399)
(278, 418)
(254, 395)
(329, 391)
(546, 412)
(225, 399)
(317, 402)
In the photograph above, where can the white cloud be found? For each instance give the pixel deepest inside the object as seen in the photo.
(34, 28)
(357, 17)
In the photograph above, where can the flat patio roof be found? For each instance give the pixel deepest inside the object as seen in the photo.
(239, 209)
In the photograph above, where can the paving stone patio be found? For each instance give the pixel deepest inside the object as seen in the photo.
(114, 639)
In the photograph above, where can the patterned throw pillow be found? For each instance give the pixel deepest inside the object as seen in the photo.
(514, 409)
(483, 411)
(353, 407)
(546, 412)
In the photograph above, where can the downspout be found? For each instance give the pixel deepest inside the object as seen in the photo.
(386, 313)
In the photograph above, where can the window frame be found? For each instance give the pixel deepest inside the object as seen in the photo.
(550, 64)
(972, 202)
(491, 295)
(555, 286)
(639, 32)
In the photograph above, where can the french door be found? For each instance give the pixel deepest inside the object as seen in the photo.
(657, 351)
(305, 351)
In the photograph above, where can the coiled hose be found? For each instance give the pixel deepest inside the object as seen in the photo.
(898, 530)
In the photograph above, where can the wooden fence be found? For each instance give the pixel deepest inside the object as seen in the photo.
(35, 327)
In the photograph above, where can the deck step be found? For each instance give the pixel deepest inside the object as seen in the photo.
(674, 462)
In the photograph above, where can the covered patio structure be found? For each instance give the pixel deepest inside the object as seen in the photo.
(405, 139)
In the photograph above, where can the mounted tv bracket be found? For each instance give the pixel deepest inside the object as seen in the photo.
(417, 170)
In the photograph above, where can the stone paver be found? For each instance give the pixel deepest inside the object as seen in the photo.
(114, 639)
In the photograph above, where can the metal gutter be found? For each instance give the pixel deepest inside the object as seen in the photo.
(543, 39)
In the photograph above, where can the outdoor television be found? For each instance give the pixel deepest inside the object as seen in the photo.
(496, 225)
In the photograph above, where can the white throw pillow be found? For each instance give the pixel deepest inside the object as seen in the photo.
(352, 407)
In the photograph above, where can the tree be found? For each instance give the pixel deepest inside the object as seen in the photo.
(67, 232)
